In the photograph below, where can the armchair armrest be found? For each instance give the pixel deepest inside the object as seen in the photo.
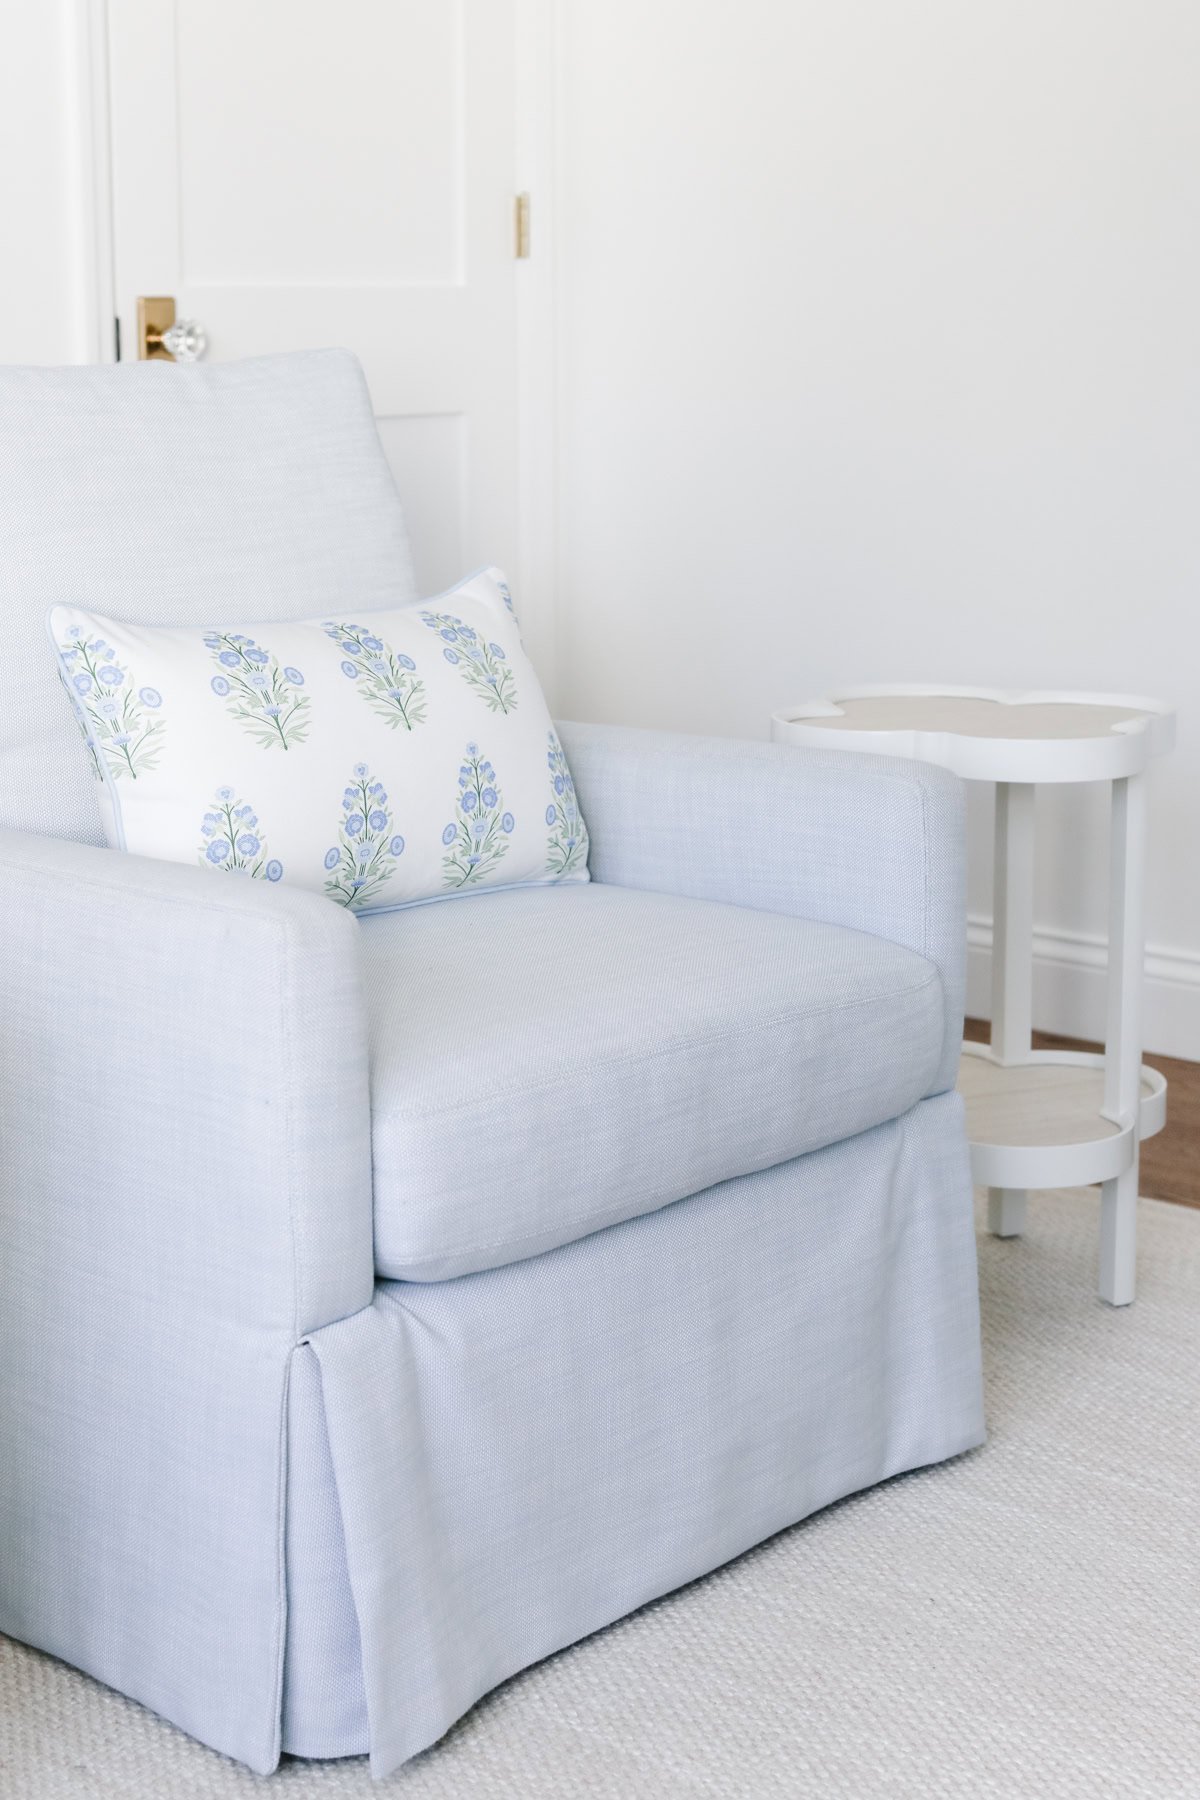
(184, 1095)
(185, 1191)
(873, 843)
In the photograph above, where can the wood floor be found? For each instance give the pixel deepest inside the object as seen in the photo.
(1171, 1161)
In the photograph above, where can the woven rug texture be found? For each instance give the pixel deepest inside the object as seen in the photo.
(1023, 1622)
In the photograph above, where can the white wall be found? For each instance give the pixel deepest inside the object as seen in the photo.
(48, 275)
(879, 361)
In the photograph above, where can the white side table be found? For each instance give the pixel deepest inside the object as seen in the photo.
(1037, 1118)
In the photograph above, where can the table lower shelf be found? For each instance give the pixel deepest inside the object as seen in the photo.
(1040, 1123)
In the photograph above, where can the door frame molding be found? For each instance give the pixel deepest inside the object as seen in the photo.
(537, 166)
(87, 51)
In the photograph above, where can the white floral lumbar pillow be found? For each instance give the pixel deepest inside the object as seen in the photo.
(380, 758)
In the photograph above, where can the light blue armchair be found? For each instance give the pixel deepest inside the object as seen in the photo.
(386, 1304)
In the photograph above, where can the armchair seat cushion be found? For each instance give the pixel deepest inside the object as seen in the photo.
(548, 1062)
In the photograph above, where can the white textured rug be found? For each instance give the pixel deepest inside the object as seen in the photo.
(1023, 1622)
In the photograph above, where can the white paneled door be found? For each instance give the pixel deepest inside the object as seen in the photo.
(298, 173)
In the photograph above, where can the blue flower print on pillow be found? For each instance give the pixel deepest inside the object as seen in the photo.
(482, 665)
(568, 841)
(476, 840)
(118, 720)
(387, 678)
(264, 696)
(231, 839)
(364, 857)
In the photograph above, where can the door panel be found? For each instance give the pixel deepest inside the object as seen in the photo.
(298, 174)
(380, 203)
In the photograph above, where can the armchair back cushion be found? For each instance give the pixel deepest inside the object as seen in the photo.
(176, 496)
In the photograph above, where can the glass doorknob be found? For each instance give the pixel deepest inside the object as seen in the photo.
(161, 337)
(185, 340)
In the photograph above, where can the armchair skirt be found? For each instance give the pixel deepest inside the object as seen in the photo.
(523, 1455)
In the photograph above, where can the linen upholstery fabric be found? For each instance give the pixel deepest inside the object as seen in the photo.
(324, 1705)
(171, 496)
(523, 1455)
(185, 1190)
(600, 1052)
(878, 846)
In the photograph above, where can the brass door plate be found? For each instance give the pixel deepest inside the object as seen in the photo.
(155, 314)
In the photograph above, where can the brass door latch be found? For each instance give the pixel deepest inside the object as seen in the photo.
(160, 338)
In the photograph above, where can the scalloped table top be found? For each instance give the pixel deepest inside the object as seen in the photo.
(988, 734)
(966, 716)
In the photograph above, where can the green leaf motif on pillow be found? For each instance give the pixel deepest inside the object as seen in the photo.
(364, 857)
(482, 666)
(477, 837)
(257, 690)
(387, 678)
(119, 721)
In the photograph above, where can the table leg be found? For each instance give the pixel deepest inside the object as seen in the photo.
(1123, 1035)
(1012, 962)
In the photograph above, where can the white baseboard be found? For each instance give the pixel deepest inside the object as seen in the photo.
(1069, 987)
